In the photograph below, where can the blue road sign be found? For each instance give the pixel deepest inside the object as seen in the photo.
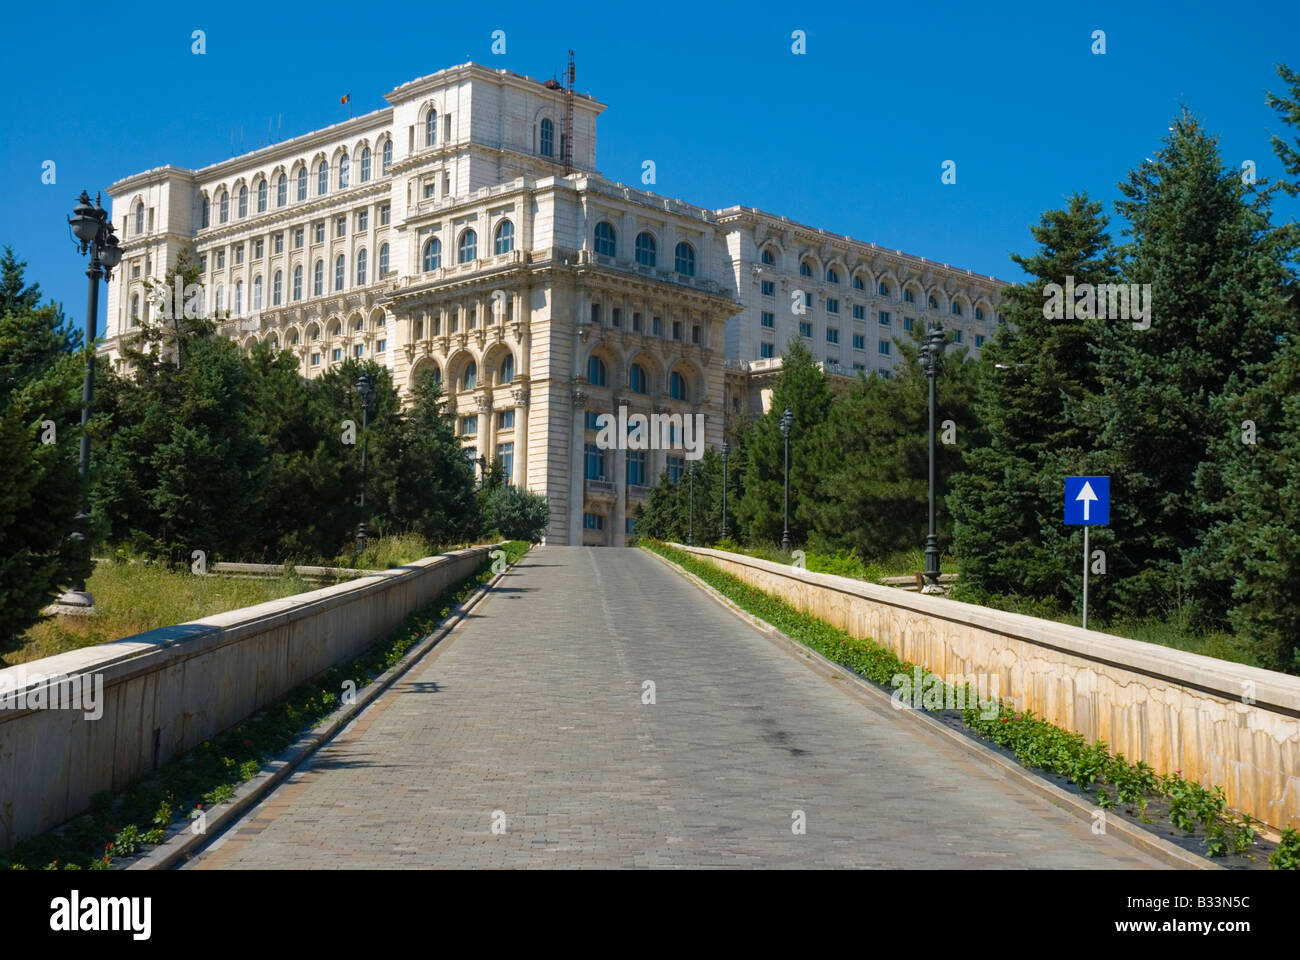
(1087, 501)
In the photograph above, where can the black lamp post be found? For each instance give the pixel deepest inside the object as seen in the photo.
(932, 357)
(94, 232)
(787, 421)
(726, 448)
(366, 389)
(690, 529)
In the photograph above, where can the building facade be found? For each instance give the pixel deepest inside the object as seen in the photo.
(446, 234)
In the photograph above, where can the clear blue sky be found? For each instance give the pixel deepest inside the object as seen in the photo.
(849, 136)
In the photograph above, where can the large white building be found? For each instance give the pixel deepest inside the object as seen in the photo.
(443, 233)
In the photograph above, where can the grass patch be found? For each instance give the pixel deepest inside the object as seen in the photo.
(844, 563)
(124, 824)
(1107, 780)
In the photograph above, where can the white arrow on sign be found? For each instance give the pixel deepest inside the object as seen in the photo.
(1087, 496)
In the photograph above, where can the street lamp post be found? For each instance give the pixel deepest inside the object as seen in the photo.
(690, 529)
(726, 448)
(366, 389)
(94, 232)
(934, 343)
(787, 421)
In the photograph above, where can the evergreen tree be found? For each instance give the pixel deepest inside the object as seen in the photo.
(1200, 238)
(871, 455)
(516, 513)
(1007, 499)
(801, 386)
(41, 368)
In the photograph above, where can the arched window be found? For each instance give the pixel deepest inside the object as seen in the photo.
(432, 254)
(388, 155)
(365, 165)
(257, 292)
(768, 257)
(909, 296)
(339, 272)
(297, 282)
(645, 249)
(206, 212)
(956, 308)
(322, 178)
(282, 191)
(139, 218)
(597, 375)
(383, 259)
(979, 313)
(684, 259)
(239, 297)
(318, 278)
(805, 268)
(934, 304)
(243, 201)
(361, 268)
(636, 379)
(225, 207)
(857, 283)
(431, 128)
(677, 386)
(505, 238)
(883, 289)
(507, 369)
(832, 276)
(277, 288)
(261, 196)
(605, 244)
(467, 248)
(470, 380)
(345, 168)
(546, 146)
(302, 183)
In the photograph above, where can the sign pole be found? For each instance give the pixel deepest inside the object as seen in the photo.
(1085, 576)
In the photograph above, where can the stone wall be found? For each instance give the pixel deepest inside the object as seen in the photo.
(1216, 722)
(166, 691)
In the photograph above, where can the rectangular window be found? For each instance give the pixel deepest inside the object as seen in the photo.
(385, 215)
(363, 220)
(769, 288)
(297, 238)
(221, 259)
(446, 184)
(631, 525)
(315, 359)
(341, 227)
(506, 420)
(805, 329)
(768, 319)
(636, 323)
(239, 254)
(832, 305)
(908, 323)
(616, 317)
(337, 355)
(595, 314)
(807, 300)
(259, 248)
(956, 336)
(595, 460)
(886, 374)
(468, 426)
(832, 335)
(884, 318)
(590, 421)
(203, 263)
(859, 342)
(277, 245)
(882, 347)
(358, 351)
(979, 340)
(765, 350)
(593, 521)
(859, 366)
(320, 232)
(430, 189)
(695, 333)
(859, 312)
(676, 468)
(381, 346)
(657, 327)
(506, 456)
(636, 468)
(677, 329)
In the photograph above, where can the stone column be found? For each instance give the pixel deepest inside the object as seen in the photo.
(618, 536)
(576, 486)
(521, 437)
(484, 439)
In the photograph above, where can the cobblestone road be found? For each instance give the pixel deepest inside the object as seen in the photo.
(534, 709)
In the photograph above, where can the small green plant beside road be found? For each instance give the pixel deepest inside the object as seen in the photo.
(1109, 780)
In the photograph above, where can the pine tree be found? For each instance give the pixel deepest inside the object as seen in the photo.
(1200, 238)
(803, 388)
(41, 367)
(1007, 499)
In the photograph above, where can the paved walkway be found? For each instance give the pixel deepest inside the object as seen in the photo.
(534, 708)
